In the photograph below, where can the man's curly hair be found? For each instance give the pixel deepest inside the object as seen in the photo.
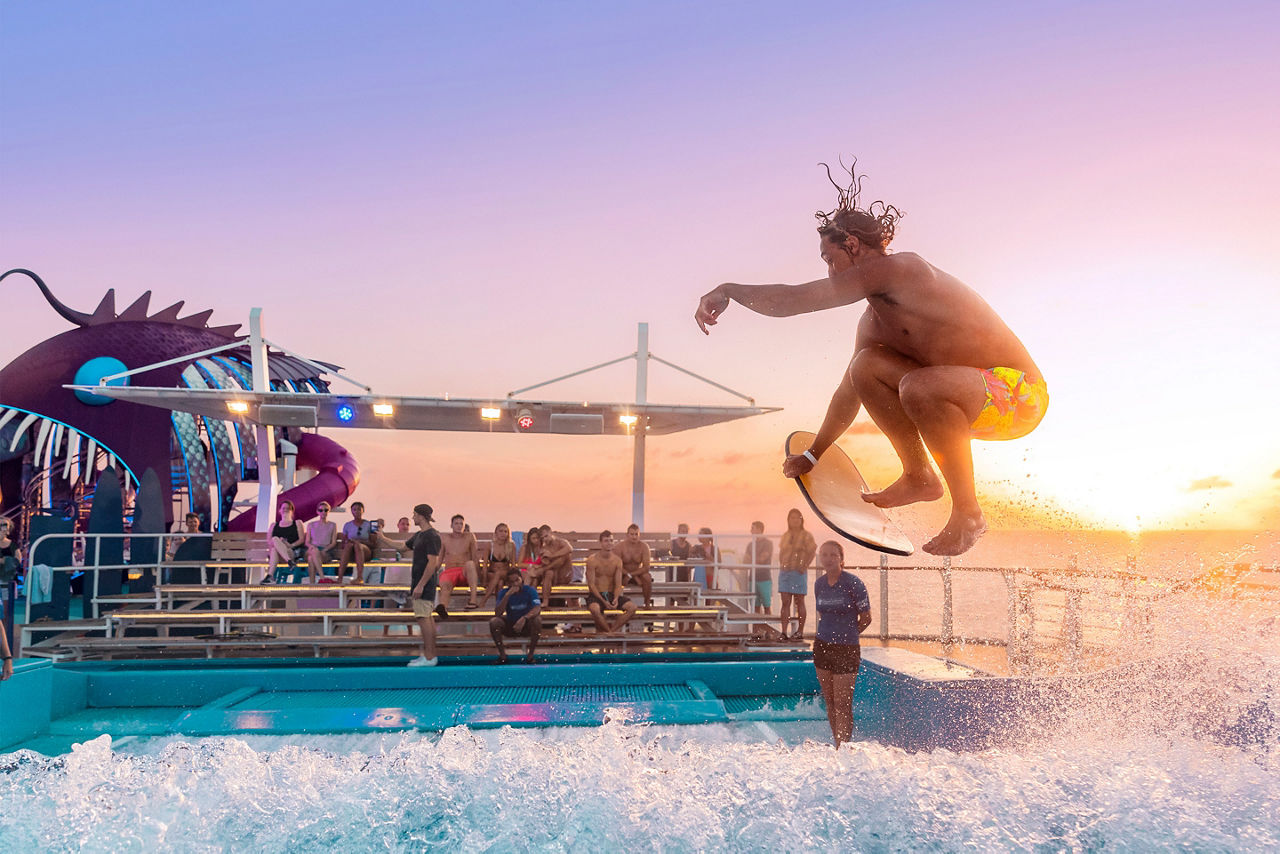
(873, 226)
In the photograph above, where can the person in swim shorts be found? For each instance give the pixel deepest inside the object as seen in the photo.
(604, 583)
(934, 365)
(795, 552)
(461, 561)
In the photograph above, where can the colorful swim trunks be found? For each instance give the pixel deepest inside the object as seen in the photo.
(1015, 404)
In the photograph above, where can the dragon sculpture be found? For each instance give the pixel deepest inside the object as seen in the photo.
(54, 441)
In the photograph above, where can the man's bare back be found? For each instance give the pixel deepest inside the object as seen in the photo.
(934, 365)
(932, 318)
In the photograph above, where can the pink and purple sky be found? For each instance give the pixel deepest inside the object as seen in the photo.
(471, 198)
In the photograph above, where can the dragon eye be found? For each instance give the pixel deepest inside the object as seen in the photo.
(92, 372)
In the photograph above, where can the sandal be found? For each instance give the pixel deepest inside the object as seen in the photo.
(471, 606)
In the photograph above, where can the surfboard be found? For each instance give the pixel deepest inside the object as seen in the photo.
(834, 488)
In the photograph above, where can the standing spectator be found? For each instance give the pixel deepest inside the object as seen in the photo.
(759, 554)
(844, 612)
(635, 563)
(680, 544)
(402, 526)
(322, 542)
(6, 657)
(287, 543)
(355, 543)
(680, 548)
(423, 582)
(9, 566)
(706, 550)
(460, 561)
(502, 557)
(518, 614)
(795, 553)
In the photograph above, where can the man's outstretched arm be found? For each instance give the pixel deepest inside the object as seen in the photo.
(784, 300)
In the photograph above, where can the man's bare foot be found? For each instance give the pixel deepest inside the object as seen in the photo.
(907, 489)
(959, 535)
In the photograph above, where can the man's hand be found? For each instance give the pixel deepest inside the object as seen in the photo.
(796, 465)
(710, 307)
(518, 625)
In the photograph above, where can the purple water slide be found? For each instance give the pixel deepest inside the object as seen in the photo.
(337, 476)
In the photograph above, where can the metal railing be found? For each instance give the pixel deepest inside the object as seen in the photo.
(1067, 608)
(91, 566)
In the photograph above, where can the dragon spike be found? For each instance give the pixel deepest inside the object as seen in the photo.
(138, 310)
(106, 310)
(170, 314)
(198, 319)
(229, 330)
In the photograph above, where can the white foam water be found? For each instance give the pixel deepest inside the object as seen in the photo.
(740, 787)
(1179, 750)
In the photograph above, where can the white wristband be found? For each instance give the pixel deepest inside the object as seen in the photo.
(810, 457)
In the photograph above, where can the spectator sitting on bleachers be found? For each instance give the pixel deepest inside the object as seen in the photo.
(604, 581)
(190, 525)
(705, 551)
(402, 526)
(557, 561)
(287, 542)
(518, 614)
(460, 561)
(355, 543)
(759, 554)
(502, 557)
(635, 563)
(322, 542)
(531, 555)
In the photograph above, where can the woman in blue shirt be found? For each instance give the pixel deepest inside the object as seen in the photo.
(844, 610)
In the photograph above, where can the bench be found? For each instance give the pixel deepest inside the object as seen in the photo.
(223, 621)
(167, 596)
(407, 645)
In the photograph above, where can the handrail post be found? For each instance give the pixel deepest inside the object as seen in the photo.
(884, 597)
(947, 633)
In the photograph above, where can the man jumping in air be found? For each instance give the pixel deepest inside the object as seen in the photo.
(932, 362)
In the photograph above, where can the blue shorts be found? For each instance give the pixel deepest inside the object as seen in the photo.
(764, 594)
(792, 581)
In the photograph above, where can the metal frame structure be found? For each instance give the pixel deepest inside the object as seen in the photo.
(262, 409)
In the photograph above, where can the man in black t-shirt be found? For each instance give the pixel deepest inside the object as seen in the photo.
(426, 547)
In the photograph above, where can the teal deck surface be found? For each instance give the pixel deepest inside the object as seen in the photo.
(904, 699)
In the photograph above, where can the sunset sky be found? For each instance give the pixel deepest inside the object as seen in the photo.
(468, 198)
